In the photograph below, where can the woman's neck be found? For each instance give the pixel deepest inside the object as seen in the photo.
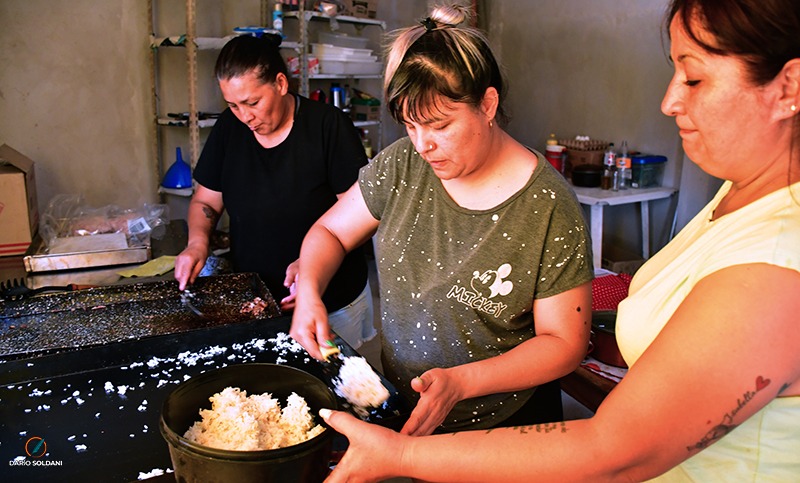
(775, 176)
(506, 170)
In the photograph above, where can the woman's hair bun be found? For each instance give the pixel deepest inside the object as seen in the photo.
(451, 15)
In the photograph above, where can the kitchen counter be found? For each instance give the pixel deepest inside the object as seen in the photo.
(97, 409)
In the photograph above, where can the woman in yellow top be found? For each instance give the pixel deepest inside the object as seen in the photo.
(711, 329)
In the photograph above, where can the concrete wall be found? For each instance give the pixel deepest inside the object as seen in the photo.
(74, 96)
(75, 87)
(598, 68)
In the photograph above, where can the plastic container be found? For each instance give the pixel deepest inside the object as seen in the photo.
(348, 66)
(323, 50)
(648, 170)
(308, 461)
(554, 153)
(343, 40)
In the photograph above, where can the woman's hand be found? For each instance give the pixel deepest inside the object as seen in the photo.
(438, 393)
(290, 282)
(189, 263)
(310, 326)
(373, 452)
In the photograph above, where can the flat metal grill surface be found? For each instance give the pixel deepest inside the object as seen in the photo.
(70, 320)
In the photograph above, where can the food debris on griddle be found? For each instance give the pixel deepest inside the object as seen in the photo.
(254, 307)
(122, 312)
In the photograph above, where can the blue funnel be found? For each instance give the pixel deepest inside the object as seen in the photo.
(179, 175)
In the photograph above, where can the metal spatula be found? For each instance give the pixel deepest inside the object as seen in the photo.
(186, 299)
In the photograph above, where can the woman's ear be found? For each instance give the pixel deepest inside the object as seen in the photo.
(282, 83)
(490, 102)
(788, 104)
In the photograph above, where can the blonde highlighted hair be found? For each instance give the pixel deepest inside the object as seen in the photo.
(437, 60)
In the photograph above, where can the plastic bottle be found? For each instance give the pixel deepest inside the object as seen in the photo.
(277, 18)
(624, 166)
(552, 141)
(609, 165)
(337, 95)
(366, 143)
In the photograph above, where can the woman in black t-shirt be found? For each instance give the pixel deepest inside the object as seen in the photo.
(276, 161)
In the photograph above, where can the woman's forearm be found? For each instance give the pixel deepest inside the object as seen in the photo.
(320, 256)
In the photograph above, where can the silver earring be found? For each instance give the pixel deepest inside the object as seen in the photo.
(793, 108)
(491, 124)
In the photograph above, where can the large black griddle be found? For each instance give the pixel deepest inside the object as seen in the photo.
(97, 408)
(69, 320)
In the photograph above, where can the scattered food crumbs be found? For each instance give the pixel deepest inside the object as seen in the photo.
(254, 307)
(152, 473)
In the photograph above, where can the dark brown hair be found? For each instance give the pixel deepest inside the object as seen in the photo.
(764, 33)
(246, 53)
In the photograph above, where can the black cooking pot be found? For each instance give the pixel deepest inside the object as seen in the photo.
(603, 339)
(587, 175)
(308, 461)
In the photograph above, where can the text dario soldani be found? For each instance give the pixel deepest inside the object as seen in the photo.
(35, 449)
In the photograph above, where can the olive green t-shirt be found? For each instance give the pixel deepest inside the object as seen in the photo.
(457, 285)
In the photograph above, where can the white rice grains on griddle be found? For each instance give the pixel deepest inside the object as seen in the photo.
(359, 384)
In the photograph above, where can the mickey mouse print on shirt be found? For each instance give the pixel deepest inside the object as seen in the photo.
(485, 287)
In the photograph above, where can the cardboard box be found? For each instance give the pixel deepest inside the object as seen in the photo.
(362, 8)
(19, 212)
(362, 112)
(620, 260)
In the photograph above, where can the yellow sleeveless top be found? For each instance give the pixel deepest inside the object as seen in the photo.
(766, 447)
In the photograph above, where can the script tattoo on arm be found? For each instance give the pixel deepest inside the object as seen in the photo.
(537, 428)
(726, 425)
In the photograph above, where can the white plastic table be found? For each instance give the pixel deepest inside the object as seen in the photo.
(597, 199)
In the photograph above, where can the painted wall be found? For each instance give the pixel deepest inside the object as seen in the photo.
(598, 68)
(74, 96)
(75, 87)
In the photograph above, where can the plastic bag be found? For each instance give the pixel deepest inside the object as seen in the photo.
(68, 215)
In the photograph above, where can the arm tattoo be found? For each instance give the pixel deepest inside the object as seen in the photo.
(726, 425)
(537, 428)
(210, 214)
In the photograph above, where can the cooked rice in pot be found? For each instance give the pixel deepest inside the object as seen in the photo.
(240, 422)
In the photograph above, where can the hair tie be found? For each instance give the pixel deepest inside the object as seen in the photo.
(428, 23)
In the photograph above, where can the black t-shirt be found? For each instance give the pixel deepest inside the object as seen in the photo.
(274, 195)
